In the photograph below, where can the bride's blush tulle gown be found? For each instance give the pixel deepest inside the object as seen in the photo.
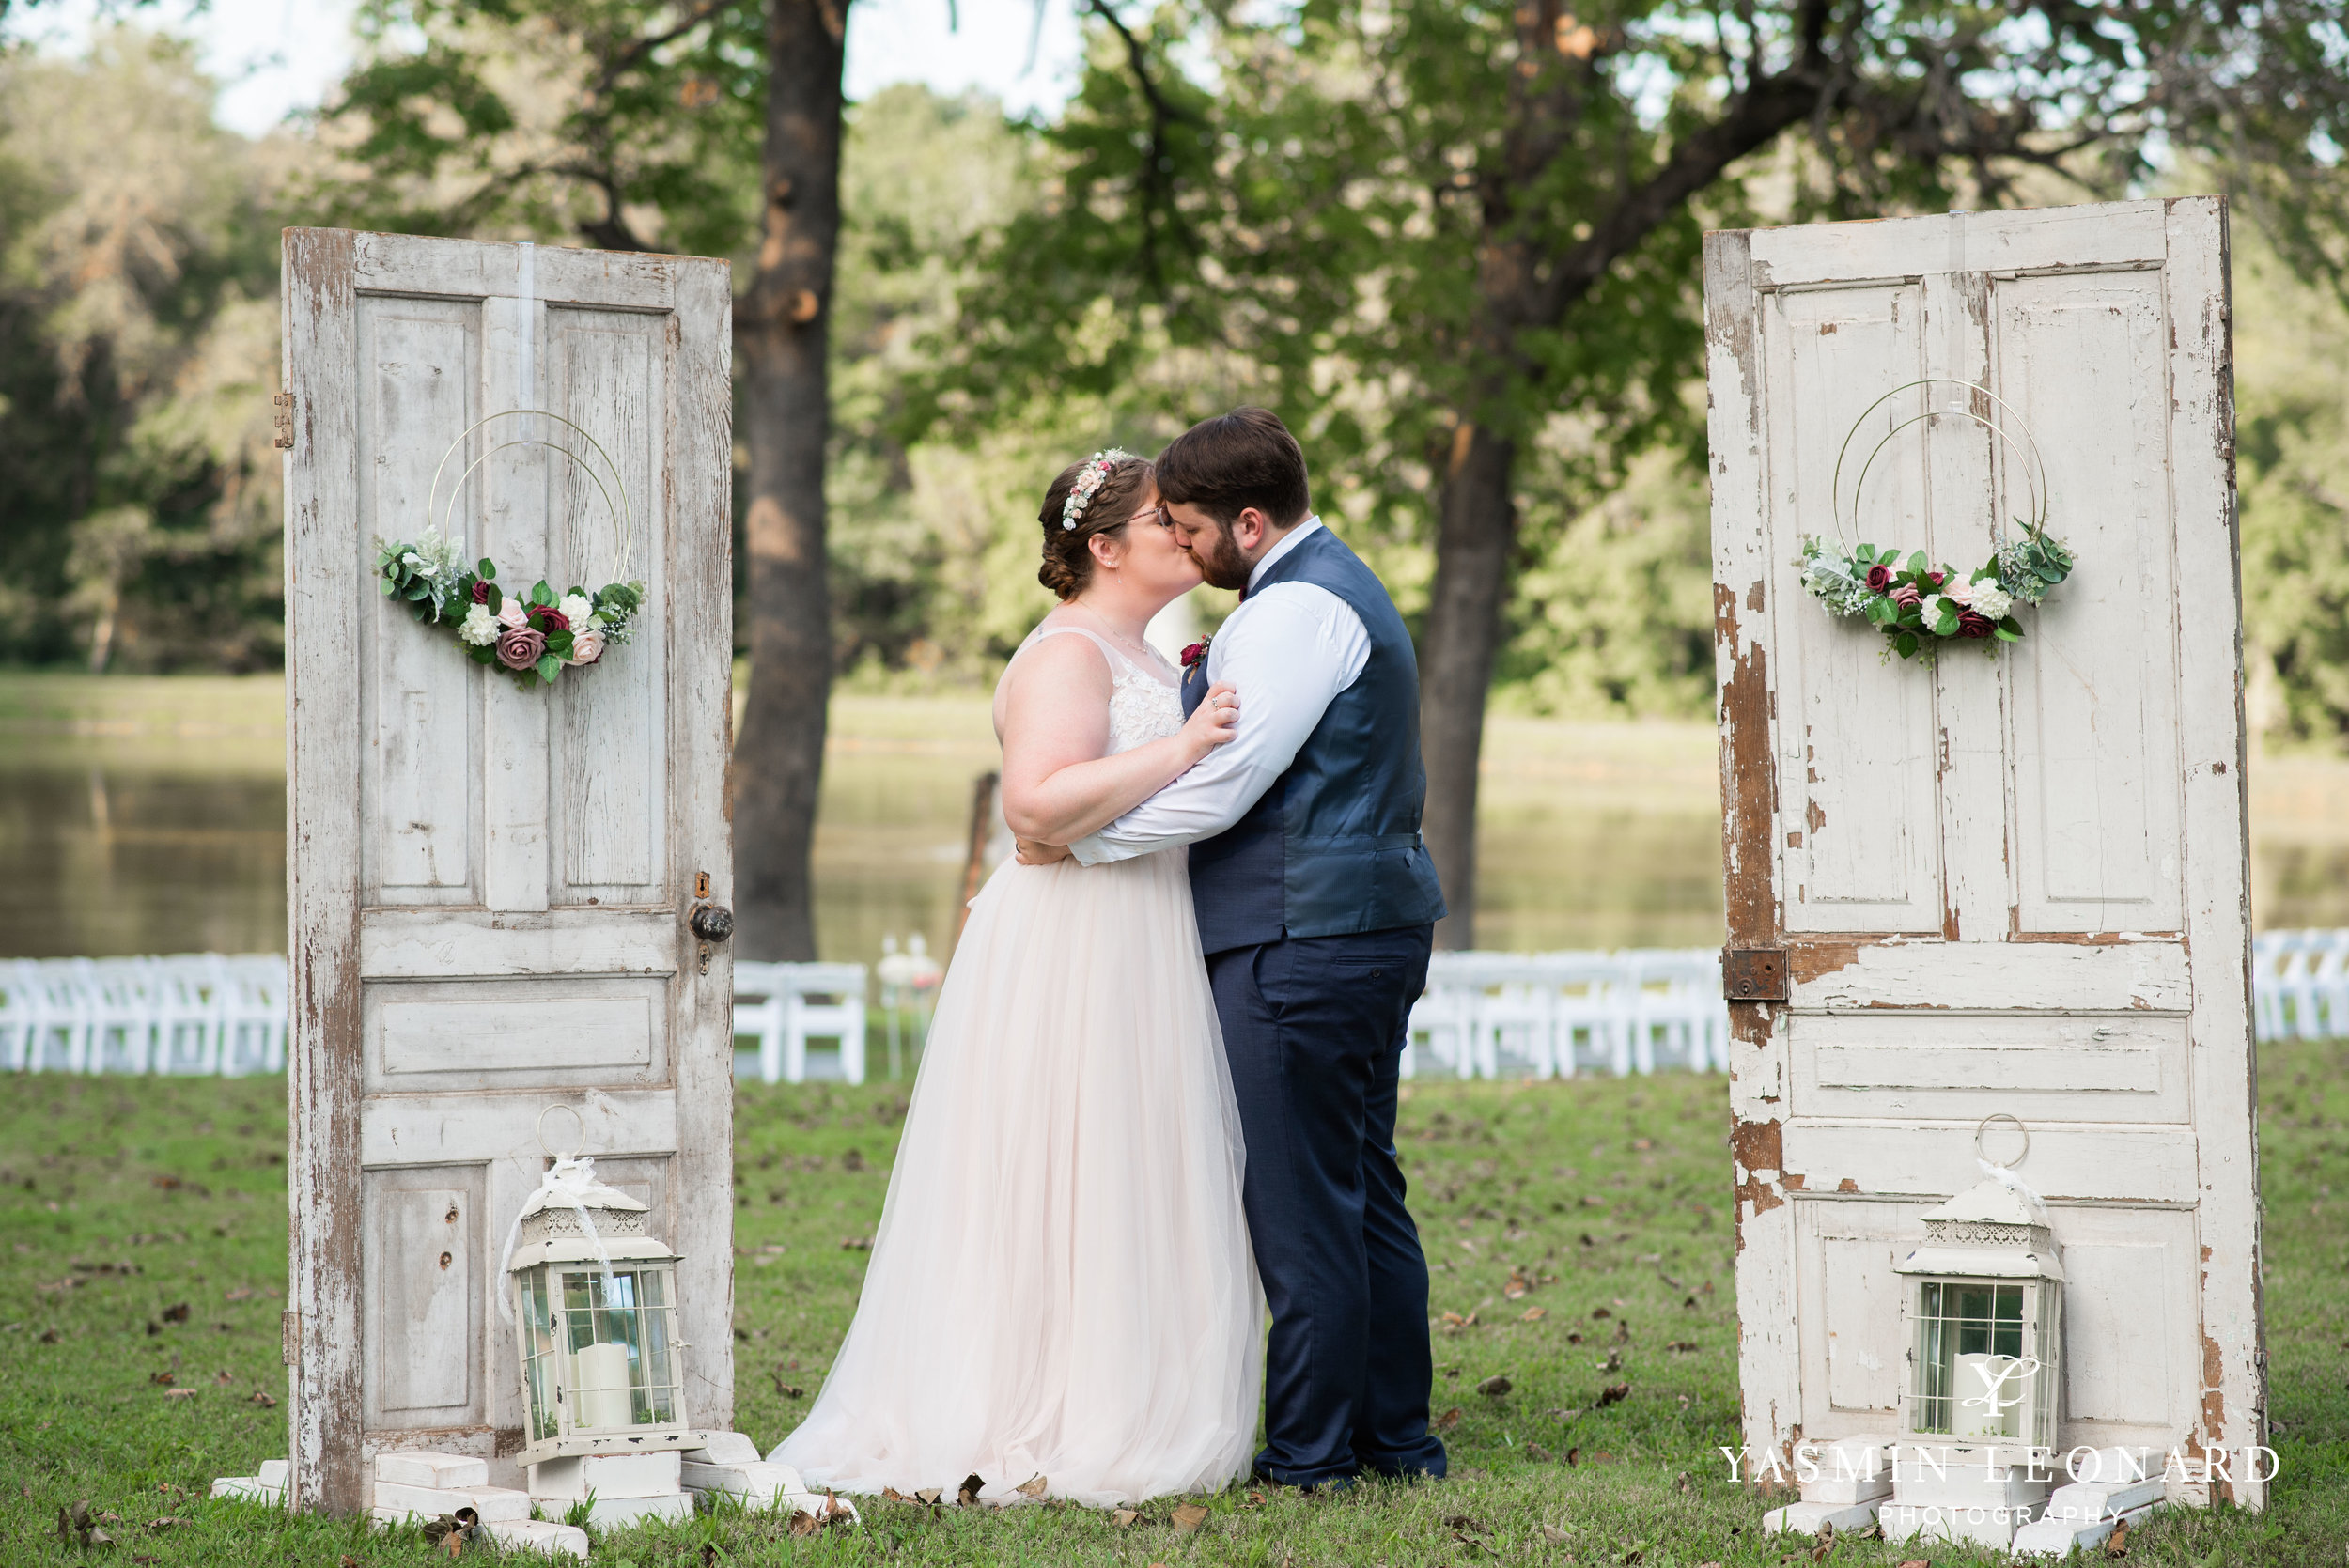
(1062, 1283)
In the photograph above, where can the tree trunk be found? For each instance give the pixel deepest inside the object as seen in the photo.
(783, 329)
(1476, 532)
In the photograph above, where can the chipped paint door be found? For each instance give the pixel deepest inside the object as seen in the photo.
(489, 887)
(2013, 883)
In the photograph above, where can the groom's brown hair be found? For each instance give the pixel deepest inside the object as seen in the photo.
(1234, 462)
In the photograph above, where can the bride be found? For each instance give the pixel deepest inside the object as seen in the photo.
(1061, 1285)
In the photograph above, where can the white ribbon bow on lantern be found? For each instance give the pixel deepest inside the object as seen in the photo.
(571, 1179)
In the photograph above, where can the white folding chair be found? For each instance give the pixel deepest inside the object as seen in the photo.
(2268, 949)
(20, 1015)
(759, 1015)
(247, 995)
(62, 1024)
(121, 998)
(822, 1002)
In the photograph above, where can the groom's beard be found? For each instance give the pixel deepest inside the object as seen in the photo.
(1220, 560)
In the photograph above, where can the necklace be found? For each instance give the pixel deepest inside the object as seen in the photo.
(1143, 648)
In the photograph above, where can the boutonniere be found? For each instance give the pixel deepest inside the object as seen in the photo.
(1195, 655)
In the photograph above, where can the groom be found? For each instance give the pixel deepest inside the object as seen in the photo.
(1316, 906)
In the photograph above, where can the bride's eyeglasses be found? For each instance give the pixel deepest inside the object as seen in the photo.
(1158, 513)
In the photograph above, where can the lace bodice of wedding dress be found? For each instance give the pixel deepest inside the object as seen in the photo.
(1145, 703)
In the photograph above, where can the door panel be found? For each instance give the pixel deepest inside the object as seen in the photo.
(493, 922)
(2085, 360)
(2012, 882)
(1862, 845)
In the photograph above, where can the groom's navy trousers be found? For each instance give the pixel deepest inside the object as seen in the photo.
(1314, 1028)
(1315, 912)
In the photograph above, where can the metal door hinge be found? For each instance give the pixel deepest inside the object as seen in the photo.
(291, 1349)
(1754, 973)
(284, 439)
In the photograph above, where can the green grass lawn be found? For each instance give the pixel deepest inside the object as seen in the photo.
(139, 1335)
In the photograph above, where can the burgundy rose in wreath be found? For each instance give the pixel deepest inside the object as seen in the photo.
(481, 590)
(1972, 623)
(1879, 577)
(547, 618)
(522, 647)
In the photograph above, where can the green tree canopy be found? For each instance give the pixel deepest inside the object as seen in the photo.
(1456, 241)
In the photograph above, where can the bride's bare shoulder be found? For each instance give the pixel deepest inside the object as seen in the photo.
(1053, 673)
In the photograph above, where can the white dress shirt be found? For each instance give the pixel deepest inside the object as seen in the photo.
(1289, 649)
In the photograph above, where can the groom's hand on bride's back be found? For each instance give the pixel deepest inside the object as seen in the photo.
(1033, 853)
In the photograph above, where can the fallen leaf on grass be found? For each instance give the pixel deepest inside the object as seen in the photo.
(1555, 1536)
(1917, 1562)
(1533, 1314)
(178, 1394)
(176, 1312)
(1563, 1415)
(166, 1378)
(1681, 1347)
(1123, 1517)
(1685, 1483)
(1602, 1312)
(930, 1496)
(264, 1400)
(1537, 1451)
(968, 1493)
(1494, 1386)
(351, 1561)
(1819, 1552)
(1188, 1517)
(1614, 1393)
(1446, 1421)
(1255, 1500)
(168, 1521)
(1574, 1456)
(1032, 1487)
(2117, 1544)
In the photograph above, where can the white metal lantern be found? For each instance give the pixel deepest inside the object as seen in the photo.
(1985, 1318)
(595, 1299)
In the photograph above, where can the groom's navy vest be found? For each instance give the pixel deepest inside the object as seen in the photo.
(1334, 848)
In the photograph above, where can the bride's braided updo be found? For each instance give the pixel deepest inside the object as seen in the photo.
(1067, 554)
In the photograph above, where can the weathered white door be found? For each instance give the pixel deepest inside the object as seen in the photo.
(2007, 884)
(489, 887)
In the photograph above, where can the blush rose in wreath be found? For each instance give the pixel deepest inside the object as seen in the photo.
(534, 636)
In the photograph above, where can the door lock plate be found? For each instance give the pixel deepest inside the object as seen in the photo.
(1754, 973)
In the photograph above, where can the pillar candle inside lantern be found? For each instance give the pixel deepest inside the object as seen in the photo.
(603, 1387)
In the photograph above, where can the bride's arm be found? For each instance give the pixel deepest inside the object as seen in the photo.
(1057, 785)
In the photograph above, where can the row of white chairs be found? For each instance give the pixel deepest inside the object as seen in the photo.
(2300, 985)
(1484, 1015)
(1555, 1015)
(206, 1013)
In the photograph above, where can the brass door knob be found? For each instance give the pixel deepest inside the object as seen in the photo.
(712, 922)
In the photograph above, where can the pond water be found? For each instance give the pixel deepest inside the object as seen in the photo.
(148, 816)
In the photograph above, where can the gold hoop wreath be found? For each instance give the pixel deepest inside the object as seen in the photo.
(536, 636)
(1917, 605)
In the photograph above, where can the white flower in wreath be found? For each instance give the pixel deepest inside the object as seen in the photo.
(1935, 607)
(513, 613)
(480, 629)
(576, 610)
(1992, 601)
(586, 647)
